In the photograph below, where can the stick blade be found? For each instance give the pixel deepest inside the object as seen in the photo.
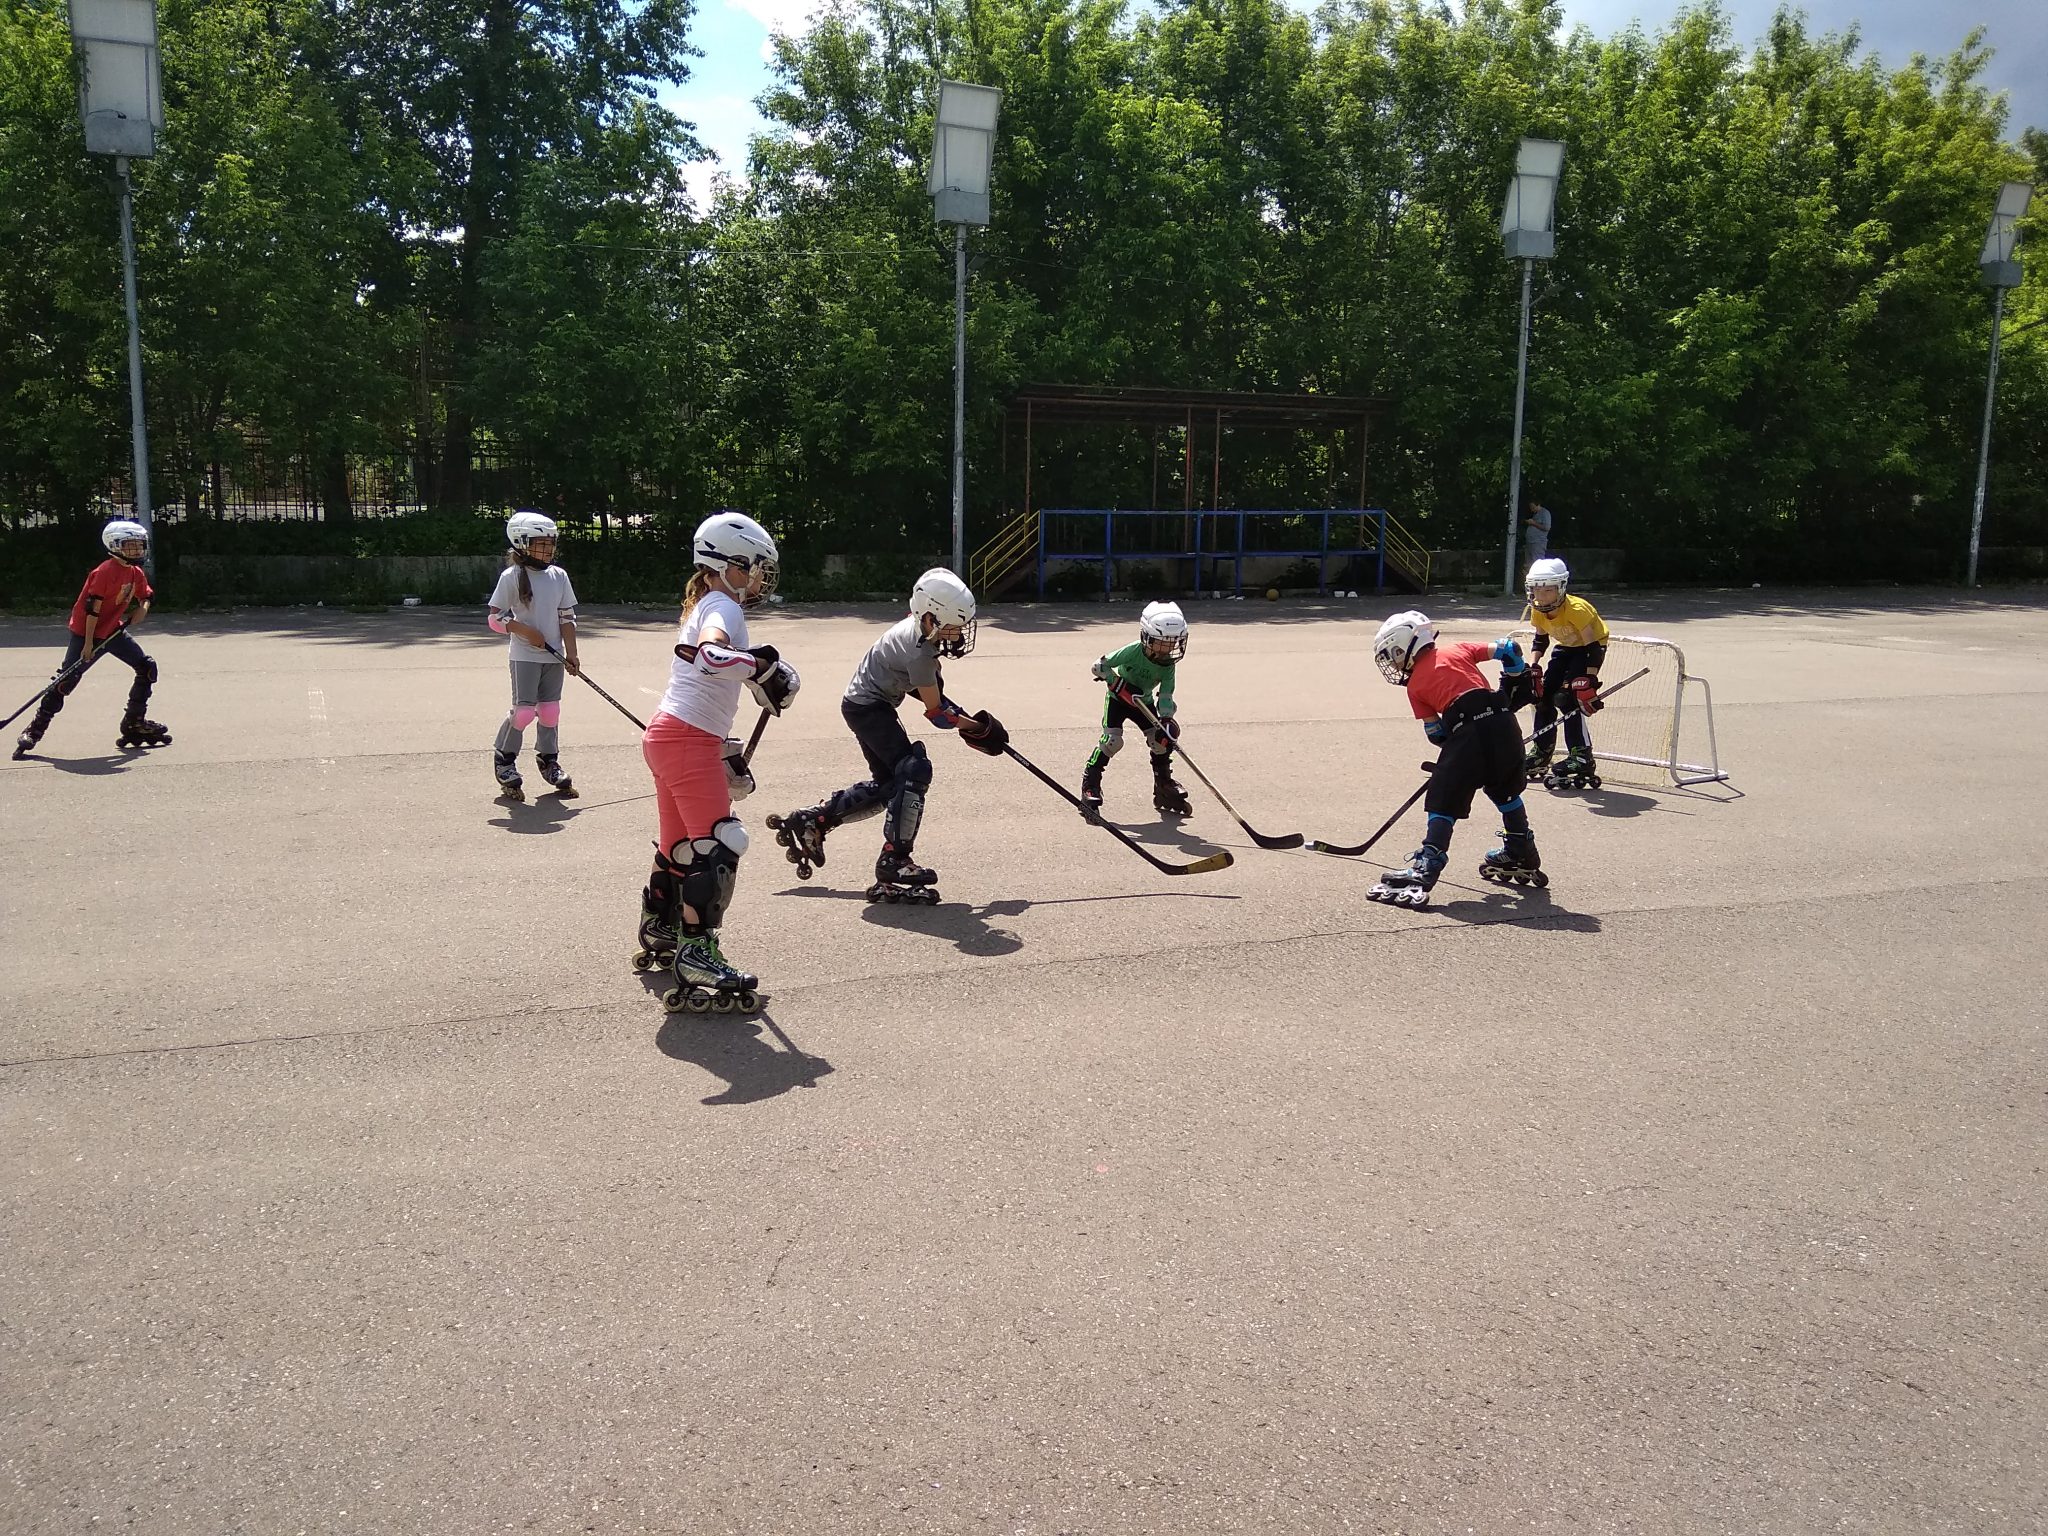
(1289, 840)
(1317, 845)
(1215, 861)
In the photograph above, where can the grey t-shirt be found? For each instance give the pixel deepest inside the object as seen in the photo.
(894, 664)
(1536, 534)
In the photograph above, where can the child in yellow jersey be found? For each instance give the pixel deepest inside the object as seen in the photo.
(1572, 675)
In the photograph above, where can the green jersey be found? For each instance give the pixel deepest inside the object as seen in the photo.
(1144, 675)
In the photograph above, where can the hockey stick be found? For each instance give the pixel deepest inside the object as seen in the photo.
(615, 704)
(1218, 860)
(754, 740)
(76, 669)
(1290, 840)
(1319, 846)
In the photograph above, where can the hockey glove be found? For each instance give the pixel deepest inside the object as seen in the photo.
(1508, 652)
(1099, 670)
(984, 732)
(1124, 694)
(1586, 694)
(776, 684)
(739, 779)
(1169, 727)
(1434, 730)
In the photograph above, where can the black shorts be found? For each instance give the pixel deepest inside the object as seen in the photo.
(1486, 754)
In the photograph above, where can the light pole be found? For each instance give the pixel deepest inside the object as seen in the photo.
(1527, 229)
(963, 152)
(2000, 270)
(121, 101)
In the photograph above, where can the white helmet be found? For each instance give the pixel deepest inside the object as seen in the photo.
(947, 599)
(119, 532)
(732, 541)
(1164, 622)
(1400, 640)
(1548, 572)
(522, 528)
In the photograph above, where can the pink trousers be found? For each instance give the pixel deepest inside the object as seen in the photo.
(689, 778)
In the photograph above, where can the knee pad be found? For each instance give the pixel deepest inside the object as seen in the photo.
(1160, 743)
(550, 713)
(522, 716)
(706, 868)
(914, 769)
(1112, 741)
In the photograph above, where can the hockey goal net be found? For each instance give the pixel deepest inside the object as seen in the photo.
(1659, 729)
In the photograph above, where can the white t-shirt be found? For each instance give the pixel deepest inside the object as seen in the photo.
(553, 601)
(698, 698)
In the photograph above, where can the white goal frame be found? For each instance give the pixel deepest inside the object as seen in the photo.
(1667, 686)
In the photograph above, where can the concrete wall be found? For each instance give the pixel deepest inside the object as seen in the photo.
(1482, 567)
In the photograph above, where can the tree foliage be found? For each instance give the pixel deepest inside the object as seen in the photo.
(433, 233)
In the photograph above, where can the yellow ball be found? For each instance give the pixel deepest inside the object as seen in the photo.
(1272, 594)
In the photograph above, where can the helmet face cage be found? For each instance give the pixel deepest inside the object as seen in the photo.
(123, 531)
(732, 541)
(951, 648)
(522, 528)
(1547, 573)
(1174, 646)
(1399, 641)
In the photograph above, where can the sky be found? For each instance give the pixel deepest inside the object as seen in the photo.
(733, 35)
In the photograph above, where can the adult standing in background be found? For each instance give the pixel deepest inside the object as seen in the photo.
(1535, 533)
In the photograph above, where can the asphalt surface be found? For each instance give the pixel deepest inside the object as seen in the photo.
(353, 1182)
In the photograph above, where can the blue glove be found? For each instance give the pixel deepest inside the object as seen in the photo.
(1434, 730)
(1508, 652)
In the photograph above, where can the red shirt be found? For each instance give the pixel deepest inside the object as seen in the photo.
(117, 585)
(1445, 672)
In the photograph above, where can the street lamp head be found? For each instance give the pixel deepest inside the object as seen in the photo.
(1999, 266)
(963, 151)
(120, 96)
(1526, 220)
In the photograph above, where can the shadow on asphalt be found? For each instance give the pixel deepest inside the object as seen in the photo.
(542, 814)
(91, 767)
(736, 1048)
(1528, 904)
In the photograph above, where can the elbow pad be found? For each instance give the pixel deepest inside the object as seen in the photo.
(499, 622)
(1595, 654)
(720, 660)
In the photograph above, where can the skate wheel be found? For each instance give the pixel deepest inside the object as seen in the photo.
(748, 1001)
(774, 823)
(929, 896)
(1539, 879)
(721, 1002)
(1593, 781)
(672, 999)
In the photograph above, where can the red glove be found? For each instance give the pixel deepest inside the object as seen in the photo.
(1586, 694)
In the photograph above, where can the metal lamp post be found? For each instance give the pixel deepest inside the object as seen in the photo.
(1526, 226)
(120, 98)
(2000, 269)
(963, 152)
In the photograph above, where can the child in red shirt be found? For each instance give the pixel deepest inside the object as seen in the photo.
(100, 620)
(1479, 747)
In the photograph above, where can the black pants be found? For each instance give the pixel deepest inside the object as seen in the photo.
(899, 773)
(1555, 686)
(1484, 755)
(123, 648)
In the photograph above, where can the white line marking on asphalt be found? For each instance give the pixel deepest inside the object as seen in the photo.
(316, 717)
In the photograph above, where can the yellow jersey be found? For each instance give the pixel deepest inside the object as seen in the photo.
(1576, 622)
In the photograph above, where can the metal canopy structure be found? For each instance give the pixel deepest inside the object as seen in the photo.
(1111, 406)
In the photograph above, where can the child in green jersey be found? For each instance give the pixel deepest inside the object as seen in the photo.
(1140, 679)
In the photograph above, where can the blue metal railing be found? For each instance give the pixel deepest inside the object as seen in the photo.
(1061, 537)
